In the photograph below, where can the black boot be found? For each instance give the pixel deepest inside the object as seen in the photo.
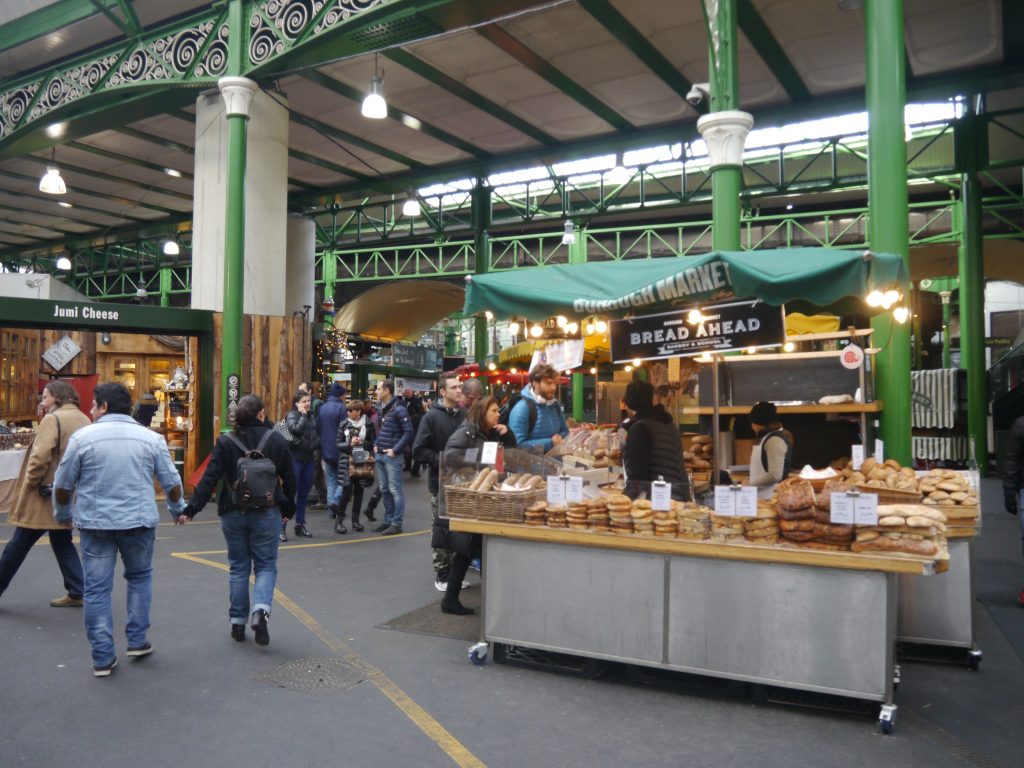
(356, 525)
(457, 572)
(332, 511)
(339, 525)
(368, 512)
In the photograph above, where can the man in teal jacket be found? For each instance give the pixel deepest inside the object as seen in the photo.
(537, 418)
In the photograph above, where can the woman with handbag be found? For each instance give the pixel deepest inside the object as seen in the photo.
(355, 463)
(32, 514)
(302, 428)
(482, 425)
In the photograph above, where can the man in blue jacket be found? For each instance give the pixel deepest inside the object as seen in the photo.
(394, 435)
(537, 418)
(328, 419)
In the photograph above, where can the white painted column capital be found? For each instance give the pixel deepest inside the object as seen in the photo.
(237, 93)
(725, 133)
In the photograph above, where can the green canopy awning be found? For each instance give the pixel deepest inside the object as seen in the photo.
(819, 277)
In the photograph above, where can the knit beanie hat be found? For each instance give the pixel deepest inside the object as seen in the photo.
(639, 395)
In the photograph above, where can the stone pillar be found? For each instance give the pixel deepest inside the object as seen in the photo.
(299, 273)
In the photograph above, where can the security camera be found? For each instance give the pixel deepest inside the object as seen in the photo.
(698, 93)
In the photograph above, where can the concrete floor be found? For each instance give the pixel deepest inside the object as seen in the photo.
(401, 699)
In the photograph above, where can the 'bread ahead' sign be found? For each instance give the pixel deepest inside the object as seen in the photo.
(721, 328)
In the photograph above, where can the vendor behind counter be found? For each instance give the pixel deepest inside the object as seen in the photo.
(652, 448)
(772, 457)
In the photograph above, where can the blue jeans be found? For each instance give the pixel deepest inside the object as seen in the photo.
(389, 478)
(252, 539)
(331, 478)
(99, 558)
(304, 471)
(64, 550)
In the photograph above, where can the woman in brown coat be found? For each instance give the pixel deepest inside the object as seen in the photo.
(32, 514)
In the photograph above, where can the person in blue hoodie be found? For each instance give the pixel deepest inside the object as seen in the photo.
(330, 416)
(537, 419)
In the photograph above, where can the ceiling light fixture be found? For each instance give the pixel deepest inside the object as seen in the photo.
(513, 328)
(173, 172)
(52, 183)
(901, 314)
(620, 174)
(62, 204)
(569, 236)
(411, 206)
(374, 106)
(601, 326)
(536, 331)
(64, 263)
(170, 248)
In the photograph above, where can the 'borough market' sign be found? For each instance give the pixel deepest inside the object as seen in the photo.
(691, 283)
(721, 328)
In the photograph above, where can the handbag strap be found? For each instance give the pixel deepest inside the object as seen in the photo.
(57, 446)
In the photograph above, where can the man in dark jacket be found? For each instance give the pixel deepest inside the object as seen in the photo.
(394, 435)
(652, 446)
(1013, 477)
(414, 405)
(329, 418)
(443, 418)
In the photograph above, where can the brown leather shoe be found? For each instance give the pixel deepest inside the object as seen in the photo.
(67, 602)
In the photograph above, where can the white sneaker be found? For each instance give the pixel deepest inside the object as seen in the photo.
(440, 586)
(465, 585)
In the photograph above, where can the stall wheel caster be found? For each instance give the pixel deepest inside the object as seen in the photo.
(896, 673)
(478, 654)
(887, 718)
(974, 660)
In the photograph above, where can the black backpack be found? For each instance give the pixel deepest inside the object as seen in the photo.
(256, 476)
(506, 410)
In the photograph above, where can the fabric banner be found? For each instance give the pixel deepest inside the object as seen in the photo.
(562, 356)
(723, 327)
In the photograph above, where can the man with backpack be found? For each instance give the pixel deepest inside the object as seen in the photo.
(257, 495)
(536, 418)
(108, 467)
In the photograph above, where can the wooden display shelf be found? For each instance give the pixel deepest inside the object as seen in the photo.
(858, 561)
(737, 410)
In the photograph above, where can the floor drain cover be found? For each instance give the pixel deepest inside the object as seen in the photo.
(312, 674)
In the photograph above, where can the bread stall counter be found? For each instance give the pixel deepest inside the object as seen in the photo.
(691, 591)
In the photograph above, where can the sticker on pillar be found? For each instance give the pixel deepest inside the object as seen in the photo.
(234, 393)
(852, 357)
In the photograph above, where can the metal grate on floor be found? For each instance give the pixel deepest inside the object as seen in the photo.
(313, 674)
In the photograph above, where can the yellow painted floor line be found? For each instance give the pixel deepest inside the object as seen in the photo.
(419, 716)
(332, 543)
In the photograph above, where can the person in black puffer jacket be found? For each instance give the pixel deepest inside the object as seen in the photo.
(251, 535)
(302, 426)
(481, 426)
(652, 446)
(1013, 477)
(355, 432)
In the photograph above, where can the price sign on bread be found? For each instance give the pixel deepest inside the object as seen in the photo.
(841, 508)
(661, 496)
(865, 509)
(725, 501)
(556, 490)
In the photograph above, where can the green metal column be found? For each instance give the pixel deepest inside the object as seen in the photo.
(916, 328)
(972, 289)
(237, 93)
(165, 286)
(888, 218)
(482, 247)
(726, 180)
(578, 255)
(947, 356)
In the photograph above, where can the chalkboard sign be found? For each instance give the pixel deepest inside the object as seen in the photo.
(805, 380)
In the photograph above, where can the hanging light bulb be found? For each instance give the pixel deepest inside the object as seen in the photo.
(637, 362)
(513, 328)
(900, 314)
(560, 321)
(492, 367)
(588, 329)
(536, 331)
(694, 317)
(620, 174)
(411, 206)
(789, 346)
(513, 371)
(374, 106)
(874, 299)
(889, 298)
(629, 369)
(63, 264)
(572, 328)
(593, 371)
(489, 315)
(601, 326)
(170, 248)
(569, 236)
(52, 183)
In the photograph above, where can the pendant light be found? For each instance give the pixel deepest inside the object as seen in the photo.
(52, 183)
(569, 236)
(374, 106)
(411, 206)
(171, 248)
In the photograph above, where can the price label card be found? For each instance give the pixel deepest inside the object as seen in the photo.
(865, 510)
(556, 490)
(879, 451)
(661, 496)
(857, 456)
(841, 508)
(489, 453)
(746, 502)
(574, 489)
(725, 501)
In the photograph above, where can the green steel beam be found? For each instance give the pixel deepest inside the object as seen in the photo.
(453, 86)
(768, 48)
(409, 121)
(131, 18)
(618, 25)
(113, 18)
(100, 152)
(537, 64)
(47, 20)
(327, 164)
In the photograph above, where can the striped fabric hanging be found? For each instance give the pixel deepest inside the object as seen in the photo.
(933, 398)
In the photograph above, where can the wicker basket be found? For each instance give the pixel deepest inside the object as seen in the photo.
(890, 495)
(499, 506)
